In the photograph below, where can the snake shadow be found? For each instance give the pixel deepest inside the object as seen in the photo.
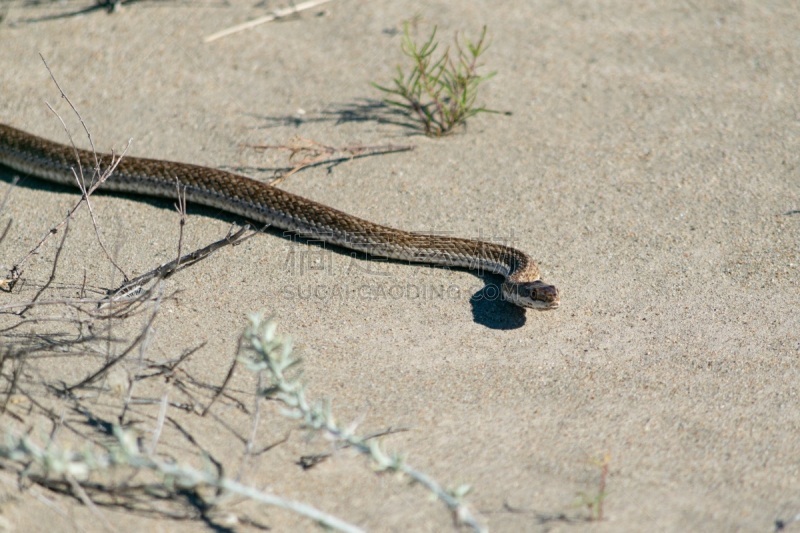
(490, 310)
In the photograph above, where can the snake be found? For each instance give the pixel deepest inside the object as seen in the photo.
(269, 205)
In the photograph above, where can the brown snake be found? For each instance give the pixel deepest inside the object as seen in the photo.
(265, 204)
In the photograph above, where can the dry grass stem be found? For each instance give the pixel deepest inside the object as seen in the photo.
(180, 207)
(304, 153)
(275, 15)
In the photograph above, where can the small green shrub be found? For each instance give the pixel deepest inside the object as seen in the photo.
(439, 92)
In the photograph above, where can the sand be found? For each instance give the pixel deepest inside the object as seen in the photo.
(650, 164)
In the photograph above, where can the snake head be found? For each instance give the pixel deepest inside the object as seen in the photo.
(533, 294)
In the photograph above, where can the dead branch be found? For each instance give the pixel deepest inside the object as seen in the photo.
(313, 153)
(134, 286)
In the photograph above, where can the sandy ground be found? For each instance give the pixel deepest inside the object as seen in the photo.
(650, 165)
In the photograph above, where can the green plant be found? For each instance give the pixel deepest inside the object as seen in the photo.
(439, 92)
(594, 503)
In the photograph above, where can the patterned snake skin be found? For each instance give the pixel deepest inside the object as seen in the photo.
(265, 204)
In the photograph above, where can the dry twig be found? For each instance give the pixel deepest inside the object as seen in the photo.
(278, 13)
(98, 177)
(304, 153)
(135, 286)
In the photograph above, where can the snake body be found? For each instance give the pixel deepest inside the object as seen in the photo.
(265, 204)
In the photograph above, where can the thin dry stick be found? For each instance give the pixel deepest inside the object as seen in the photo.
(184, 387)
(16, 270)
(278, 13)
(13, 483)
(162, 415)
(256, 418)
(86, 129)
(97, 172)
(134, 286)
(85, 196)
(309, 461)
(272, 445)
(228, 377)
(180, 207)
(87, 501)
(168, 368)
(74, 302)
(314, 153)
(143, 346)
(105, 368)
(52, 271)
(18, 363)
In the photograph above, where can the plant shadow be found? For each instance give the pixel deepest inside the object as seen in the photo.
(359, 111)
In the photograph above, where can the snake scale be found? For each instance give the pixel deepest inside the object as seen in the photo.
(265, 204)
